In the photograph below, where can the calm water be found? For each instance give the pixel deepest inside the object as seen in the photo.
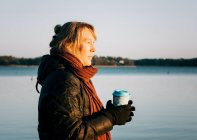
(165, 99)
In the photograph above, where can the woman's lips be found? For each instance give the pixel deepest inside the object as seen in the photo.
(90, 57)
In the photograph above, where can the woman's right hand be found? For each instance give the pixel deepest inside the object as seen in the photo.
(120, 114)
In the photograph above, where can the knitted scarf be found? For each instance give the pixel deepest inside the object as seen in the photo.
(85, 73)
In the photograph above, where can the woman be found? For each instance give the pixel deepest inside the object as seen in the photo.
(69, 107)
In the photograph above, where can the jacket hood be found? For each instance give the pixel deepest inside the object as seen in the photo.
(48, 64)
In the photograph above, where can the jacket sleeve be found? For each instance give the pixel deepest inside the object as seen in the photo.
(66, 118)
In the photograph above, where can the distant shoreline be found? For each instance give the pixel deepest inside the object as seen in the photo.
(105, 62)
(96, 66)
(104, 66)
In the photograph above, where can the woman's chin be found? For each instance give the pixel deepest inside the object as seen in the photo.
(87, 63)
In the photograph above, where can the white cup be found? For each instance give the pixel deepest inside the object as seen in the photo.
(120, 97)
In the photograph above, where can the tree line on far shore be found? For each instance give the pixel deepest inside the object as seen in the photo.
(106, 61)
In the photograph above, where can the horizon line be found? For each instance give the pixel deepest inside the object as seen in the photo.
(104, 56)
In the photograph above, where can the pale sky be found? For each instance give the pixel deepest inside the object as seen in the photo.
(128, 28)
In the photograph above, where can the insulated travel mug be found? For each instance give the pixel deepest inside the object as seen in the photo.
(120, 97)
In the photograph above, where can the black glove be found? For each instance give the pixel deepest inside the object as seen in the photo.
(120, 114)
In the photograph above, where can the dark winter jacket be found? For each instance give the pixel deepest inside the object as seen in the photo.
(63, 109)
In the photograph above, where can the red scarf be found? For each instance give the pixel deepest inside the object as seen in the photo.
(85, 73)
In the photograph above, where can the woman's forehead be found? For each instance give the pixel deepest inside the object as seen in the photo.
(87, 34)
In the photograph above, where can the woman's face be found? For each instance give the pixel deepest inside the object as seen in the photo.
(86, 47)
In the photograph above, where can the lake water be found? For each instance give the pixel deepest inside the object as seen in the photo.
(164, 97)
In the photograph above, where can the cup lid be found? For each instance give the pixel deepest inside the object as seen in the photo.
(119, 92)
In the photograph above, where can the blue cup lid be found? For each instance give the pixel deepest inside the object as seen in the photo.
(121, 93)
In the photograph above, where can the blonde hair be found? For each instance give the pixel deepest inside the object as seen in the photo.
(67, 38)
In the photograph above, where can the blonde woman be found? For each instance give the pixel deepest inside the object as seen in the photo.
(69, 107)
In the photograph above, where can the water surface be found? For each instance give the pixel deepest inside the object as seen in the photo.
(165, 100)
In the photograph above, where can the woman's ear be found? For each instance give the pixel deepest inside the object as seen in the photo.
(66, 47)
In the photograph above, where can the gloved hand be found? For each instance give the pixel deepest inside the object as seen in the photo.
(120, 114)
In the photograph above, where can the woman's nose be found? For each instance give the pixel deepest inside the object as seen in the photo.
(93, 49)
